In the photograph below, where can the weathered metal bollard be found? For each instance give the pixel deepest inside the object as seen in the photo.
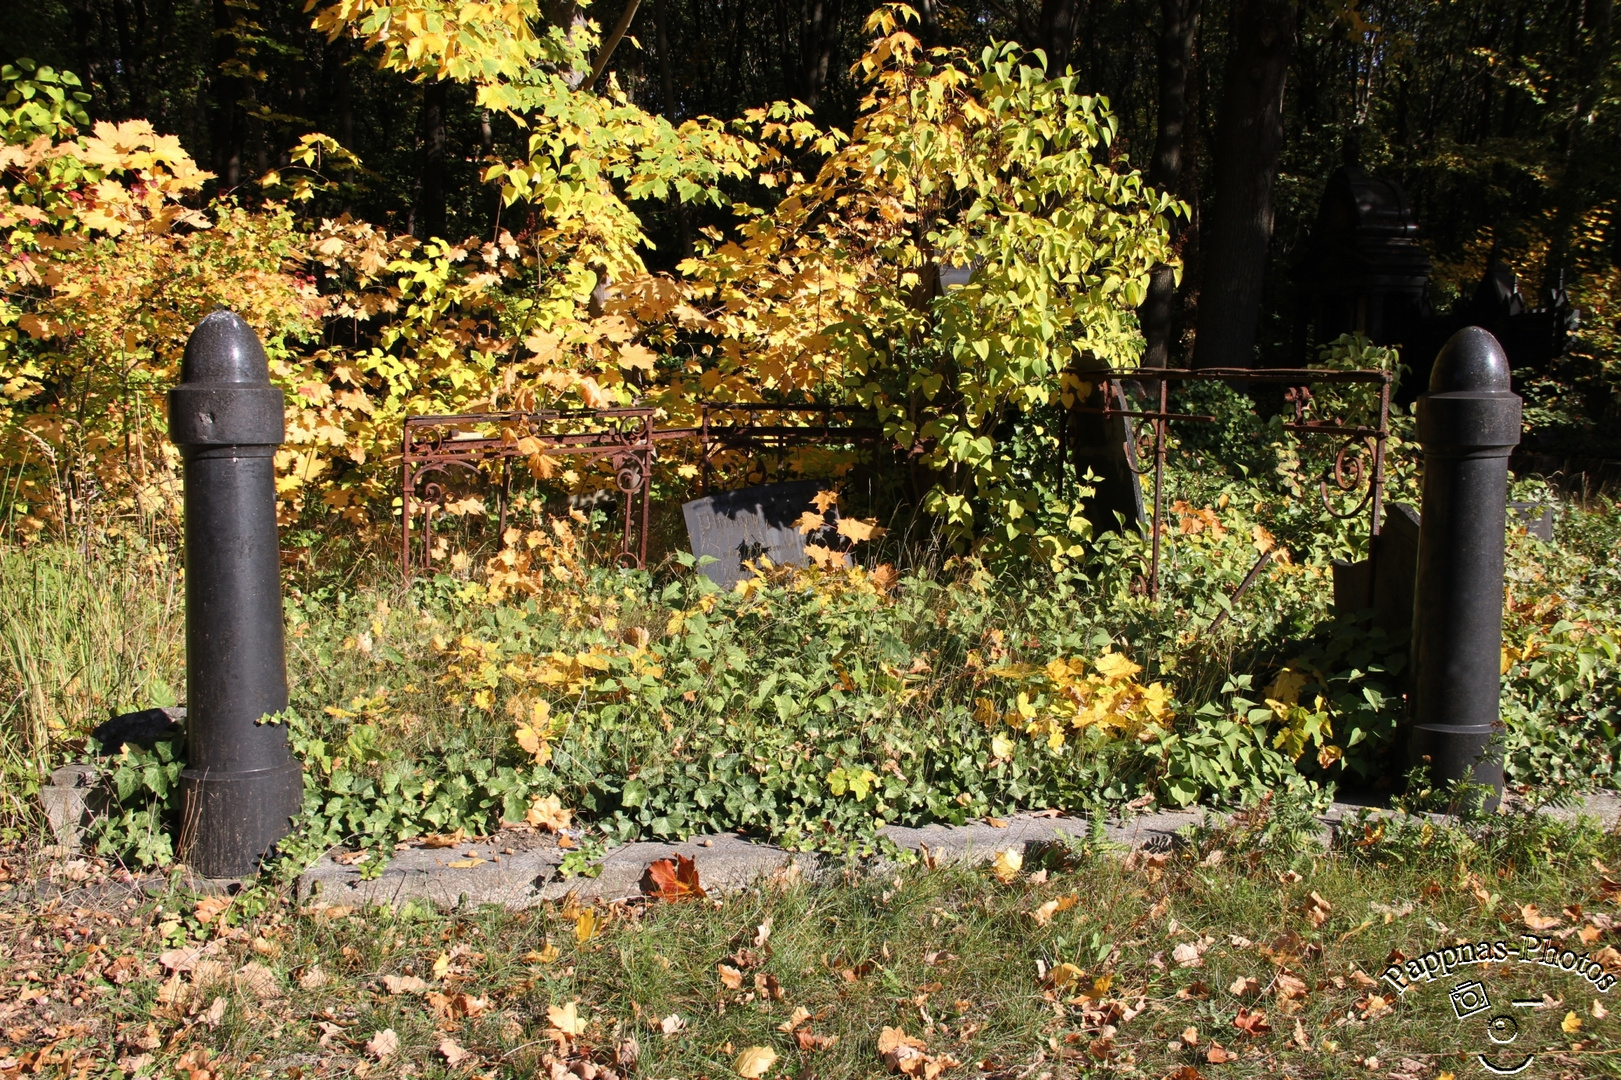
(242, 786)
(1468, 424)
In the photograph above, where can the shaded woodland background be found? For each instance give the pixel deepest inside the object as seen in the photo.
(1499, 118)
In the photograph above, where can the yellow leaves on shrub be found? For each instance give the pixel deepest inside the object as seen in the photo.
(1061, 697)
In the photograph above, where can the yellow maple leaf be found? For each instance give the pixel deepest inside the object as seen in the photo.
(809, 522)
(567, 1019)
(1007, 864)
(1571, 1024)
(755, 1062)
(858, 529)
(825, 500)
(1115, 667)
(637, 356)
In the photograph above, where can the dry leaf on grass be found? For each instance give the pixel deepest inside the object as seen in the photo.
(1219, 1054)
(258, 981)
(209, 907)
(755, 1062)
(184, 960)
(1244, 986)
(1252, 1022)
(313, 978)
(214, 1013)
(404, 984)
(1318, 909)
(567, 1019)
(730, 977)
(1188, 954)
(1064, 975)
(810, 1041)
(672, 1025)
(586, 926)
(383, 1043)
(904, 1054)
(1007, 864)
(1535, 920)
(453, 1054)
(1044, 914)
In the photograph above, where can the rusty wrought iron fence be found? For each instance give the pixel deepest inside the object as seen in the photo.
(434, 447)
(469, 445)
(1358, 463)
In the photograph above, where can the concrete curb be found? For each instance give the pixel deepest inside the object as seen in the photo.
(477, 873)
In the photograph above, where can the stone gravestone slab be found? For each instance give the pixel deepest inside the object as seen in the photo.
(736, 526)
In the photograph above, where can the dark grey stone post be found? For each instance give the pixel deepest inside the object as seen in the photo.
(1468, 424)
(242, 786)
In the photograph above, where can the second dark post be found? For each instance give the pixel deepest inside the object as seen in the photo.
(1468, 424)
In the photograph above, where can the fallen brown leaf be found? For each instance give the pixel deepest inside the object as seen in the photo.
(383, 1043)
(674, 880)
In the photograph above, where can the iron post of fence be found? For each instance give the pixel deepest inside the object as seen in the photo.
(1468, 425)
(241, 787)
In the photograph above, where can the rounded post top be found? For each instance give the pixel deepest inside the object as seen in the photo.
(224, 349)
(1471, 360)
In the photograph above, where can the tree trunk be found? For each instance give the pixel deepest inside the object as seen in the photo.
(671, 113)
(821, 35)
(1572, 190)
(1181, 24)
(1249, 138)
(229, 121)
(1056, 33)
(431, 214)
(928, 30)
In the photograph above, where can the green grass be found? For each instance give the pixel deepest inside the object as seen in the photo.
(950, 955)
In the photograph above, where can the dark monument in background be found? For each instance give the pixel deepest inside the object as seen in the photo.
(1365, 272)
(1107, 446)
(736, 526)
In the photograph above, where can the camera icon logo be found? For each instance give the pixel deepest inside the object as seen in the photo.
(1468, 999)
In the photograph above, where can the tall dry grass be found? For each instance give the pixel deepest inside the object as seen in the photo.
(86, 630)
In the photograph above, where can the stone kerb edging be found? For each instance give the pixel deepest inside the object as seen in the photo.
(480, 873)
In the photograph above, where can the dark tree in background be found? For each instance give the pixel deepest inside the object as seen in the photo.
(1249, 140)
(1179, 28)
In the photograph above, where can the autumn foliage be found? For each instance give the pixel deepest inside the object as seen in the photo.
(831, 291)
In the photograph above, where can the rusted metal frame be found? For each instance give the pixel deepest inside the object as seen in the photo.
(1286, 376)
(1142, 415)
(442, 454)
(445, 451)
(713, 436)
